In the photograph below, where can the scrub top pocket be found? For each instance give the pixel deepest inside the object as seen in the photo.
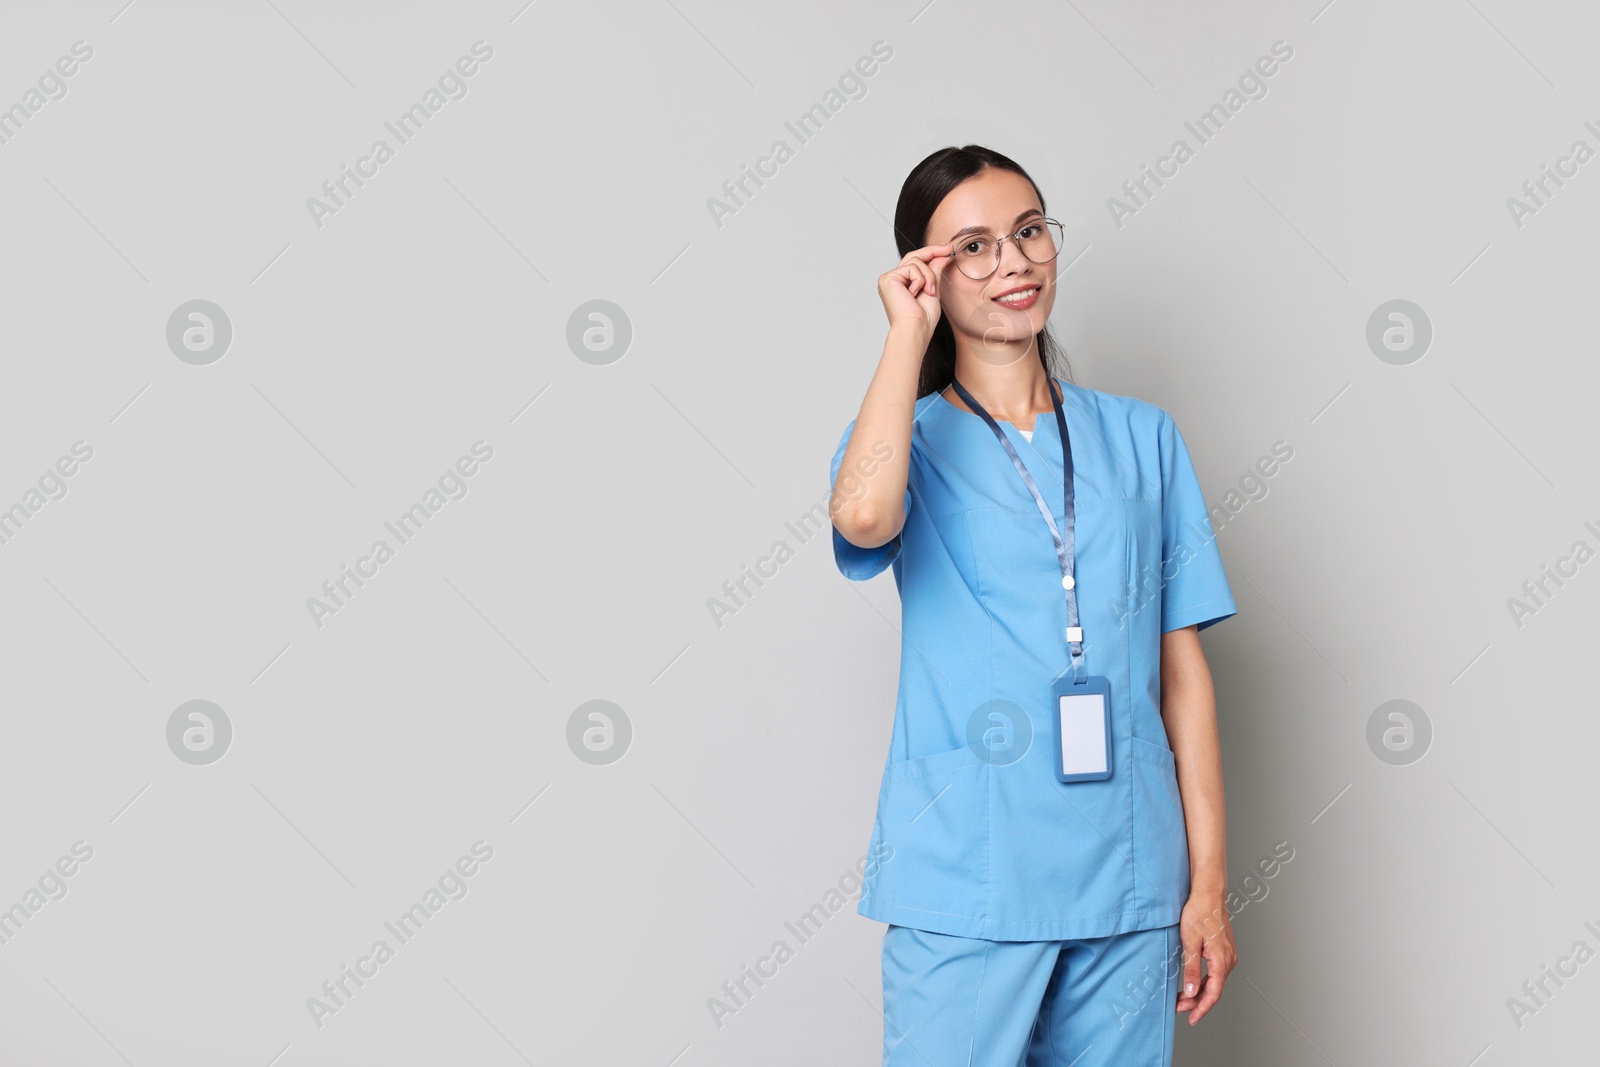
(1160, 842)
(940, 763)
(934, 813)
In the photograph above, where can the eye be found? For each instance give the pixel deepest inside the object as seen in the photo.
(976, 246)
(1030, 230)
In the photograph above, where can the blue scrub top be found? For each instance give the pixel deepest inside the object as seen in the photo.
(987, 843)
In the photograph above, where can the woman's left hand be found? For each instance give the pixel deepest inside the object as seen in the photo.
(1207, 931)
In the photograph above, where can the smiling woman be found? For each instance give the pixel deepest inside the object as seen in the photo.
(1027, 883)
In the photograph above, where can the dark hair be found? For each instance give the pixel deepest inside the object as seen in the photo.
(925, 187)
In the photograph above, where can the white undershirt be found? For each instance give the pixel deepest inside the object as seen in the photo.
(1027, 433)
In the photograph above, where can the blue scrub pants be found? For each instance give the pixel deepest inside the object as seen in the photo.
(963, 1002)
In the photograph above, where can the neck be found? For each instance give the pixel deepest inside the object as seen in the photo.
(1014, 392)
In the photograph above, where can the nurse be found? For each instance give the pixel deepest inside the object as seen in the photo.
(1052, 794)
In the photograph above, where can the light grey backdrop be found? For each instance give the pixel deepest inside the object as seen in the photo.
(373, 345)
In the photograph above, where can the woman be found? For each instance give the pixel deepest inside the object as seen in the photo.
(1054, 775)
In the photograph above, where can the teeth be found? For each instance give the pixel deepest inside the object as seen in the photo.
(1016, 298)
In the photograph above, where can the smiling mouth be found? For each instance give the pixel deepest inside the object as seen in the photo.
(1022, 298)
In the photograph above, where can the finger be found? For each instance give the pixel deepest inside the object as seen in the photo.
(1187, 1002)
(1196, 1010)
(1210, 993)
(927, 260)
(916, 264)
(1193, 946)
(919, 278)
(928, 252)
(1210, 990)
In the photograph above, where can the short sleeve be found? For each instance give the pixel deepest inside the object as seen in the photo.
(1195, 587)
(855, 562)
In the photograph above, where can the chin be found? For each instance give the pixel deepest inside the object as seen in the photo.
(1039, 314)
(1029, 322)
(1035, 319)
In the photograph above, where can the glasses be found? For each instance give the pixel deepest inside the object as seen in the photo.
(978, 255)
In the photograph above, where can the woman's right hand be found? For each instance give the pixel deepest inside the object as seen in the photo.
(910, 292)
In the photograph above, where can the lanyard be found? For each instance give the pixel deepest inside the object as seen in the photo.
(1063, 538)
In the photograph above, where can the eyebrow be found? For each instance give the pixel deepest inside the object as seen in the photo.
(984, 229)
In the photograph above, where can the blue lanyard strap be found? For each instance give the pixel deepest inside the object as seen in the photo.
(1064, 536)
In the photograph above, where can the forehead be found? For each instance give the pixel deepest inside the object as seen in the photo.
(989, 201)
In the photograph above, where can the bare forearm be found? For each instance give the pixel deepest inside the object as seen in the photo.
(1189, 710)
(870, 512)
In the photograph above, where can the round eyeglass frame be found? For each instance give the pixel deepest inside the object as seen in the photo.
(1057, 231)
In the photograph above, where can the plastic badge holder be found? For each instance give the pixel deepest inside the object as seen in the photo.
(1082, 729)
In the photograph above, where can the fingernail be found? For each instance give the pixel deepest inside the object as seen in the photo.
(1189, 988)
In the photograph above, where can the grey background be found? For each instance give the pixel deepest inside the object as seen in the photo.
(432, 311)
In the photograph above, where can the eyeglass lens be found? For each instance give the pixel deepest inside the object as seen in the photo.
(1039, 240)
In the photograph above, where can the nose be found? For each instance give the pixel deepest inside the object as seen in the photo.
(1012, 261)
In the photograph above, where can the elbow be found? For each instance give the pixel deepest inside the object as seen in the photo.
(866, 526)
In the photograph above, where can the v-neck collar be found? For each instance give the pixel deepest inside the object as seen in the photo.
(1041, 419)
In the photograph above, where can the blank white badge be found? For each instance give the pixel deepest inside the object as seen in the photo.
(1083, 734)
